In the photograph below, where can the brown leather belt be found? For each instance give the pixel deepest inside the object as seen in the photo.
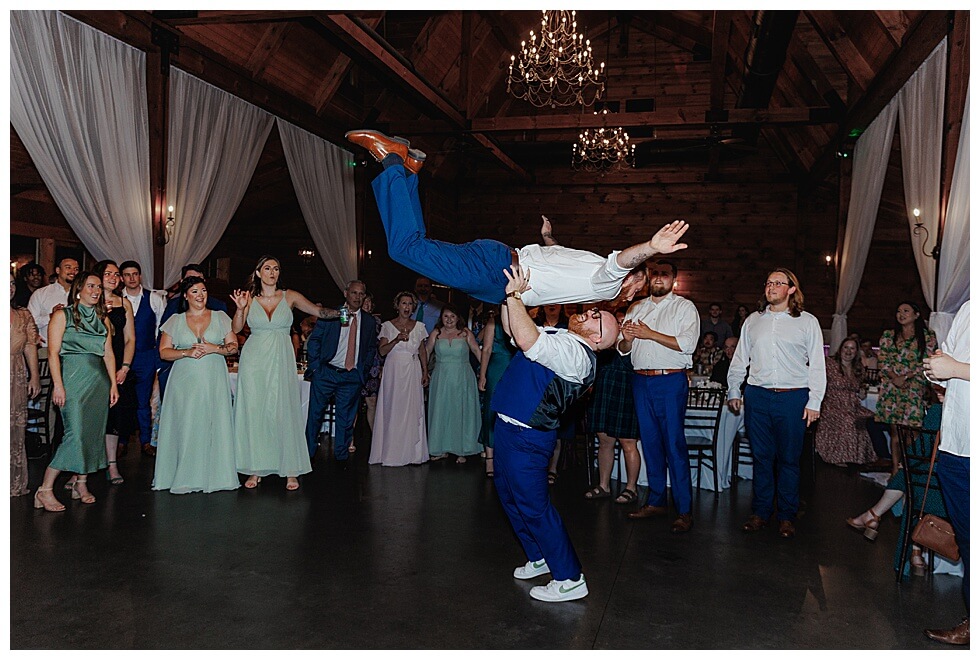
(784, 389)
(658, 372)
(514, 259)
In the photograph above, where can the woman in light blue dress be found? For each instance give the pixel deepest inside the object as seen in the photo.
(196, 445)
(454, 402)
(270, 430)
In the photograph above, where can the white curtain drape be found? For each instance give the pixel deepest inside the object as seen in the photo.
(78, 102)
(954, 263)
(214, 145)
(920, 123)
(323, 177)
(871, 154)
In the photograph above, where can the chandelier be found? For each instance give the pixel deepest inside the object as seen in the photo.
(603, 149)
(556, 67)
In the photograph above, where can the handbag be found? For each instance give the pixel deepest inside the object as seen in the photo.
(932, 531)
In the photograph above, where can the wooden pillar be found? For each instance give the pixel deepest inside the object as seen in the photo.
(157, 97)
(46, 255)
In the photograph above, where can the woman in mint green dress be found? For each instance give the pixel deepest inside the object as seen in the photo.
(270, 430)
(495, 355)
(196, 445)
(83, 370)
(454, 403)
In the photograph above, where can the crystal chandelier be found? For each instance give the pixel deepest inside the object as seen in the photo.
(556, 67)
(603, 149)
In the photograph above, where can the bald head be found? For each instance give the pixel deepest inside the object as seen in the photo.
(600, 329)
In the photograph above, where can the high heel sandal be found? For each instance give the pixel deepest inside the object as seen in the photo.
(917, 562)
(869, 528)
(252, 482)
(115, 481)
(88, 498)
(489, 468)
(38, 504)
(292, 485)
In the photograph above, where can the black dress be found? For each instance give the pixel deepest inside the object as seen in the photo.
(122, 416)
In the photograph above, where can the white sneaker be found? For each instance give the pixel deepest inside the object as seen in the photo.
(558, 591)
(532, 569)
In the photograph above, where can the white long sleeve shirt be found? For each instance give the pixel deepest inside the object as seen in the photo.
(785, 353)
(674, 316)
(955, 437)
(564, 275)
(42, 302)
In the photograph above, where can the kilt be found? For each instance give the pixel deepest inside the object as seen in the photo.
(611, 410)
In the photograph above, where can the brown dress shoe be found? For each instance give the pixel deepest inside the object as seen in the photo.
(787, 529)
(378, 144)
(754, 524)
(683, 524)
(414, 161)
(647, 511)
(960, 635)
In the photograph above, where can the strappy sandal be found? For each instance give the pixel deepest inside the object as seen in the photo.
(917, 562)
(552, 477)
(88, 498)
(253, 482)
(628, 496)
(292, 485)
(598, 493)
(41, 504)
(869, 528)
(115, 481)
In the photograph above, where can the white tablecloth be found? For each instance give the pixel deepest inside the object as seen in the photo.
(729, 425)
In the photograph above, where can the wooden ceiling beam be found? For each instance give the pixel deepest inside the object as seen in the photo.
(225, 17)
(721, 27)
(335, 75)
(919, 42)
(957, 81)
(267, 48)
(843, 48)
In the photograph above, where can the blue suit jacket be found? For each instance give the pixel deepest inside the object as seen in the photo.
(322, 345)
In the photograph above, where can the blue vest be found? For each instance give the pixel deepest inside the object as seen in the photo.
(534, 395)
(145, 324)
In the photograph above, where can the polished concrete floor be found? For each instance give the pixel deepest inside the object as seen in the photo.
(421, 557)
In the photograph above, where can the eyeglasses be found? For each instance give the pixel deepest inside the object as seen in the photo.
(596, 314)
(770, 284)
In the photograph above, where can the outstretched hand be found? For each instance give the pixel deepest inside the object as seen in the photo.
(665, 240)
(241, 298)
(518, 279)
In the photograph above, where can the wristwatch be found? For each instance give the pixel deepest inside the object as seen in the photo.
(514, 294)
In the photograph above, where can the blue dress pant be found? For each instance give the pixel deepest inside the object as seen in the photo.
(521, 458)
(475, 268)
(661, 402)
(775, 424)
(344, 388)
(143, 371)
(954, 479)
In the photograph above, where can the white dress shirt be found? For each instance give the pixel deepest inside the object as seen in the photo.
(42, 302)
(340, 357)
(674, 316)
(561, 352)
(955, 437)
(564, 275)
(158, 303)
(785, 353)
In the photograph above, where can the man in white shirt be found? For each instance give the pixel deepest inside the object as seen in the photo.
(557, 274)
(784, 346)
(659, 334)
(950, 367)
(52, 297)
(148, 308)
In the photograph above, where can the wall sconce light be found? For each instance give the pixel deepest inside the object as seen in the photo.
(829, 259)
(168, 227)
(306, 254)
(921, 229)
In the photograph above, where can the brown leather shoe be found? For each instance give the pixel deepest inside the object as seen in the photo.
(683, 524)
(414, 161)
(787, 529)
(378, 144)
(149, 450)
(960, 635)
(754, 524)
(647, 511)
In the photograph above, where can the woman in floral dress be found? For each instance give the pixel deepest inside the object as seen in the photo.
(903, 396)
(842, 433)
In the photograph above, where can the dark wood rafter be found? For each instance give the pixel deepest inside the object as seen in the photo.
(957, 82)
(847, 53)
(721, 25)
(335, 75)
(227, 17)
(267, 48)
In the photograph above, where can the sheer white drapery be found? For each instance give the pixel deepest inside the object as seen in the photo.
(323, 177)
(78, 102)
(920, 123)
(214, 145)
(954, 263)
(871, 154)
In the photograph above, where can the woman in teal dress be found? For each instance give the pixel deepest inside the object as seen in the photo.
(454, 403)
(494, 358)
(83, 371)
(270, 429)
(196, 445)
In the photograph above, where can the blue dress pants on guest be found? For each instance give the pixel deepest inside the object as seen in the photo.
(661, 402)
(954, 479)
(143, 371)
(521, 458)
(344, 387)
(775, 424)
(475, 268)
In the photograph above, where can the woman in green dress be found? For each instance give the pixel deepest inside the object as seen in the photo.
(83, 371)
(904, 393)
(270, 430)
(196, 446)
(494, 358)
(454, 403)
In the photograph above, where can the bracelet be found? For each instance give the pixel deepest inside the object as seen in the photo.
(126, 364)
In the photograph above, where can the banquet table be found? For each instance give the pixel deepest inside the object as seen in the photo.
(729, 425)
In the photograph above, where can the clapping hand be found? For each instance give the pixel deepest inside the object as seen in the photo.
(241, 298)
(665, 240)
(635, 330)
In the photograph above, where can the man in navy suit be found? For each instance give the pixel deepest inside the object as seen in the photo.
(338, 358)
